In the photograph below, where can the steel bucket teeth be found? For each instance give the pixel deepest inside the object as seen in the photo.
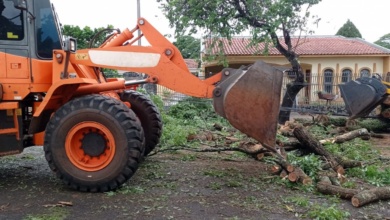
(250, 100)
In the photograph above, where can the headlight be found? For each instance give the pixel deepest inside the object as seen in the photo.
(70, 44)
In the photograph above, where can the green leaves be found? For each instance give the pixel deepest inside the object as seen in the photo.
(83, 35)
(226, 18)
(188, 46)
(384, 41)
(349, 30)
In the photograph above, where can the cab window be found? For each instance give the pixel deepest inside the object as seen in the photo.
(11, 22)
(46, 30)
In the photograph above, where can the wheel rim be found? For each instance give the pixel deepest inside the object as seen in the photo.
(90, 146)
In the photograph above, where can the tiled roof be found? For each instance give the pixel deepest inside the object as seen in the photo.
(191, 63)
(307, 45)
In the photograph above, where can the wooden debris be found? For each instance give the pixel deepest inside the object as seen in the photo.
(367, 196)
(283, 174)
(347, 163)
(59, 204)
(328, 189)
(276, 169)
(293, 173)
(309, 142)
(234, 139)
(299, 176)
(252, 148)
(362, 132)
(203, 136)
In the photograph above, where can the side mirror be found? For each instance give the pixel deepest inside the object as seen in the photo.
(20, 4)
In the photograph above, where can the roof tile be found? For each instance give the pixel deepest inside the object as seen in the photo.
(306, 45)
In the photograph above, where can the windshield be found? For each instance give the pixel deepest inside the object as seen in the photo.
(47, 29)
(58, 23)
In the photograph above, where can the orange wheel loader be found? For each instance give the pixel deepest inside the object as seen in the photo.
(96, 130)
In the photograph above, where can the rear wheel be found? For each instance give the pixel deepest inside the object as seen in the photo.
(93, 143)
(149, 116)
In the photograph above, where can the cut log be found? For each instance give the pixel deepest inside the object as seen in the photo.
(293, 177)
(290, 168)
(363, 132)
(283, 174)
(296, 174)
(309, 142)
(351, 135)
(299, 176)
(367, 196)
(329, 189)
(276, 169)
(346, 163)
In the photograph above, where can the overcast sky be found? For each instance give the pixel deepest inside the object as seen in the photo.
(370, 17)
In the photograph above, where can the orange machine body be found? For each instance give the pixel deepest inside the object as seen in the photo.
(36, 79)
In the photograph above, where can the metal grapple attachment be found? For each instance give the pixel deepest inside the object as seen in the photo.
(362, 95)
(250, 100)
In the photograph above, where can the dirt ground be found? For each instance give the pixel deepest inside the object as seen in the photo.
(180, 185)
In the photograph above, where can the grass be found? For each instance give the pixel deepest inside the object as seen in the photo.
(326, 212)
(55, 213)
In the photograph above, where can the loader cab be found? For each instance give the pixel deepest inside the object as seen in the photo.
(29, 32)
(29, 27)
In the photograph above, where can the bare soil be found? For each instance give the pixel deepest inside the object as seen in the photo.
(181, 185)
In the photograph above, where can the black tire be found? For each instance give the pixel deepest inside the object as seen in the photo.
(148, 114)
(93, 143)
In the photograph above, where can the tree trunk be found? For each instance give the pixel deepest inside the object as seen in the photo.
(329, 189)
(309, 142)
(288, 100)
(372, 195)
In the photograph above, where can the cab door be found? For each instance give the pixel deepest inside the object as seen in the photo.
(14, 75)
(14, 51)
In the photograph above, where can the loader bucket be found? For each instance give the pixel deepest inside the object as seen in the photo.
(250, 100)
(362, 95)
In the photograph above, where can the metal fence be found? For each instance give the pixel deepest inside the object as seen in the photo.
(307, 98)
(315, 84)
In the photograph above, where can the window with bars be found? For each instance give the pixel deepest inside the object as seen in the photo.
(346, 75)
(365, 73)
(387, 77)
(328, 80)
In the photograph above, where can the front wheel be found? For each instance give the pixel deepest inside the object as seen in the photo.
(93, 143)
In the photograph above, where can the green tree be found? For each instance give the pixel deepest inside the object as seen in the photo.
(188, 46)
(265, 19)
(349, 30)
(384, 41)
(84, 35)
